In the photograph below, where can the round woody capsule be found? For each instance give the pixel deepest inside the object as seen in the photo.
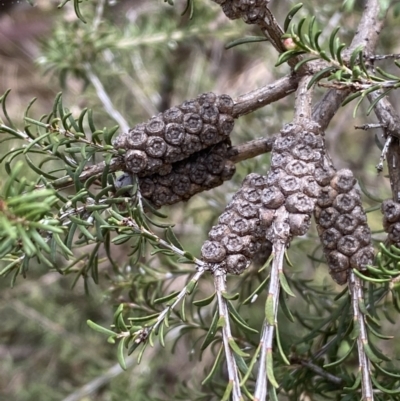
(327, 217)
(255, 181)
(181, 184)
(209, 135)
(191, 144)
(147, 187)
(233, 243)
(289, 185)
(272, 198)
(323, 174)
(236, 264)
(330, 238)
(193, 123)
(251, 246)
(137, 138)
(228, 171)
(174, 134)
(327, 196)
(346, 202)
(198, 173)
(359, 214)
(161, 196)
(156, 147)
(266, 216)
(155, 126)
(274, 177)
(251, 194)
(299, 203)
(227, 216)
(225, 104)
(363, 234)
(225, 124)
(305, 153)
(299, 168)
(312, 140)
(215, 163)
(338, 267)
(213, 252)
(365, 256)
(165, 180)
(154, 165)
(120, 142)
(291, 129)
(346, 224)
(218, 232)
(348, 245)
(209, 113)
(310, 187)
(173, 115)
(190, 106)
(284, 143)
(208, 97)
(136, 161)
(239, 226)
(280, 160)
(247, 209)
(394, 233)
(299, 223)
(391, 210)
(343, 181)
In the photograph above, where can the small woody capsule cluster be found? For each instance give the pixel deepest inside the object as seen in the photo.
(249, 10)
(200, 172)
(342, 226)
(391, 221)
(292, 182)
(176, 134)
(238, 235)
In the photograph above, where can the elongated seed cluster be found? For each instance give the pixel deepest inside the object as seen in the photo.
(238, 235)
(342, 226)
(249, 10)
(295, 176)
(176, 134)
(391, 221)
(199, 172)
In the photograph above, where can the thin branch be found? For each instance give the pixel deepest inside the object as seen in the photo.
(356, 290)
(105, 99)
(220, 287)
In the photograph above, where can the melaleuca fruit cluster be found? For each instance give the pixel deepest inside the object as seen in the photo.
(199, 172)
(176, 134)
(391, 221)
(238, 235)
(250, 11)
(342, 226)
(293, 180)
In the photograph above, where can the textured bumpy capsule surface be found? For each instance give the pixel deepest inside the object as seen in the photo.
(342, 225)
(250, 11)
(238, 236)
(391, 220)
(199, 172)
(176, 134)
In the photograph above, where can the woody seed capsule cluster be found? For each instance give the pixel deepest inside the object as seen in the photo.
(249, 10)
(177, 133)
(391, 221)
(293, 180)
(199, 172)
(238, 235)
(342, 226)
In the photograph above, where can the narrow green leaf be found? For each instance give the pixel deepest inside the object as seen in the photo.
(212, 331)
(143, 318)
(171, 237)
(291, 14)
(120, 353)
(384, 389)
(319, 75)
(213, 370)
(230, 297)
(332, 47)
(343, 358)
(167, 298)
(228, 391)
(205, 301)
(270, 369)
(269, 310)
(285, 285)
(370, 354)
(245, 40)
(235, 348)
(100, 329)
(355, 385)
(281, 352)
(242, 325)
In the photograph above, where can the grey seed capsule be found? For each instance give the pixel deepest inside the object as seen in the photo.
(155, 126)
(173, 115)
(239, 226)
(136, 160)
(233, 243)
(252, 194)
(181, 184)
(209, 135)
(193, 123)
(213, 252)
(251, 246)
(208, 97)
(198, 173)
(304, 152)
(291, 129)
(310, 187)
(147, 187)
(327, 217)
(348, 245)
(391, 210)
(154, 165)
(190, 106)
(343, 181)
(174, 134)
(255, 181)
(299, 168)
(394, 233)
(330, 238)
(363, 234)
(228, 171)
(274, 176)
(161, 196)
(209, 113)
(340, 277)
(346, 224)
(225, 104)
(312, 140)
(323, 174)
(218, 232)
(165, 180)
(227, 216)
(173, 153)
(247, 209)
(156, 147)
(191, 144)
(289, 184)
(236, 264)
(359, 214)
(215, 163)
(266, 216)
(225, 124)
(272, 198)
(120, 142)
(299, 203)
(299, 223)
(346, 202)
(137, 138)
(365, 256)
(326, 197)
(284, 143)
(280, 160)
(338, 267)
